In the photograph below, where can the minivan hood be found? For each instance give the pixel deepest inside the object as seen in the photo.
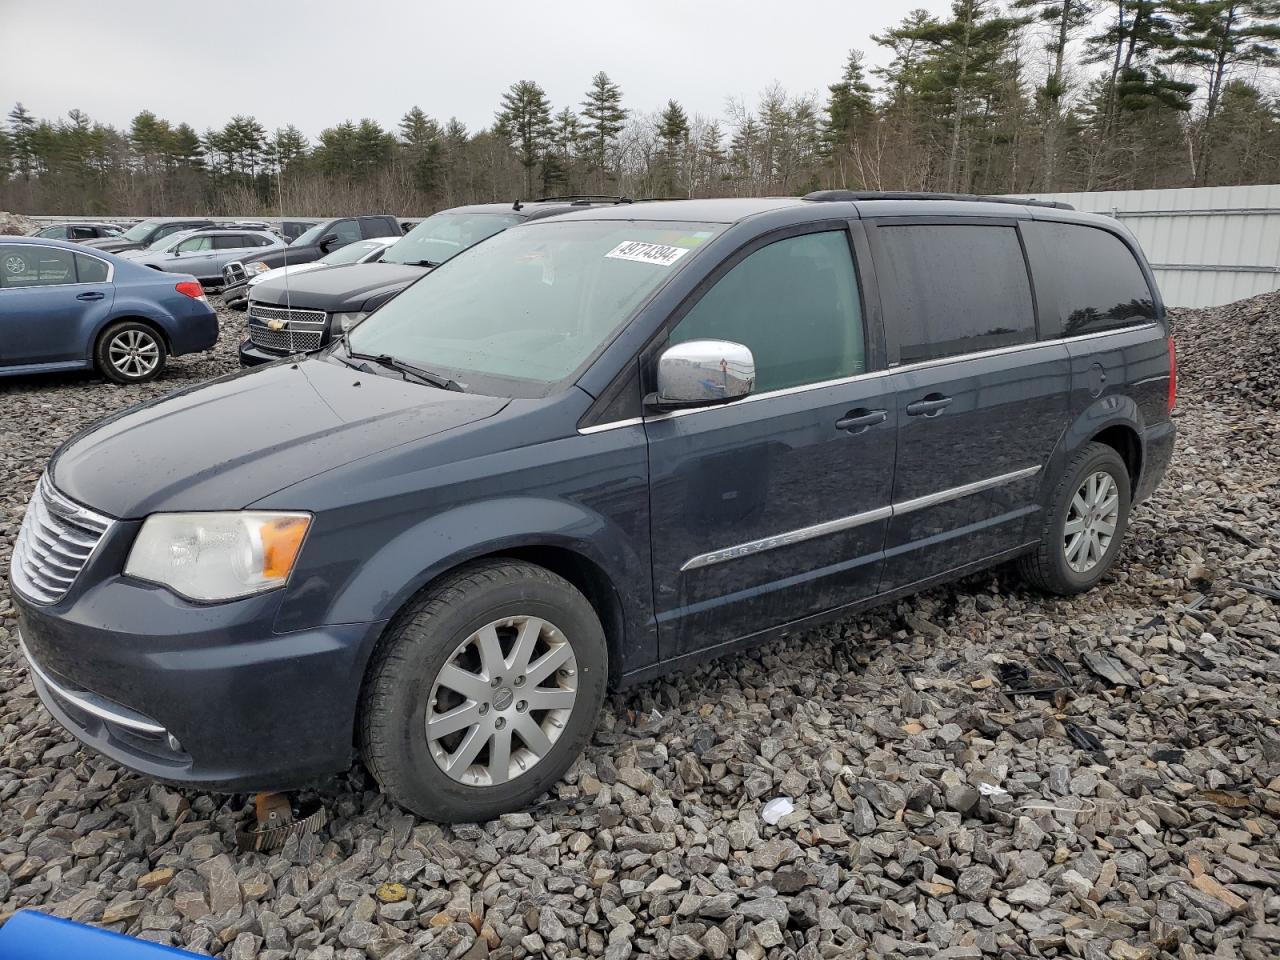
(340, 288)
(232, 441)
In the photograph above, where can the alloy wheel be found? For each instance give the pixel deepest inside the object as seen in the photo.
(1091, 522)
(501, 701)
(133, 353)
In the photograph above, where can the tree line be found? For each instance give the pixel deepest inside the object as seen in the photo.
(1025, 96)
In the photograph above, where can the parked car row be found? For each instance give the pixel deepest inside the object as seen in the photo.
(599, 445)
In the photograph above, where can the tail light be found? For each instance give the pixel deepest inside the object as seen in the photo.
(1173, 375)
(192, 289)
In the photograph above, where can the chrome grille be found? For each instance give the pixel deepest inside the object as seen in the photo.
(233, 272)
(290, 341)
(303, 330)
(265, 313)
(56, 540)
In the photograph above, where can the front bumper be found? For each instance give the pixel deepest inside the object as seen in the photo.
(236, 297)
(252, 355)
(204, 695)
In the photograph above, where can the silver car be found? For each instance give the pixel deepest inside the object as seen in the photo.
(203, 253)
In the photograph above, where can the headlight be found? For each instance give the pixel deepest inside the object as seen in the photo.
(218, 556)
(255, 268)
(346, 321)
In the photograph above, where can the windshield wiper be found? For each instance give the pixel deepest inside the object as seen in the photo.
(423, 263)
(407, 370)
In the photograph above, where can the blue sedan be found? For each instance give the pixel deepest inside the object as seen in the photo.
(63, 307)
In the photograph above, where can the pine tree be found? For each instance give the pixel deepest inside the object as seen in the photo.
(21, 127)
(525, 122)
(604, 117)
(1213, 38)
(850, 110)
(421, 139)
(1064, 19)
(673, 133)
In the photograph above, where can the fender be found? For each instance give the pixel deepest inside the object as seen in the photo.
(128, 305)
(411, 557)
(1104, 412)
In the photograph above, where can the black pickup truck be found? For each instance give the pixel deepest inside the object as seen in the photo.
(323, 238)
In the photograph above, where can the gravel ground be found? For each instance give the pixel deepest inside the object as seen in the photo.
(937, 812)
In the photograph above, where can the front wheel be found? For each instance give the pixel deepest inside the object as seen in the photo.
(1084, 525)
(130, 352)
(483, 692)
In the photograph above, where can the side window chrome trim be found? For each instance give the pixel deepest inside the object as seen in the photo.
(611, 425)
(785, 392)
(940, 361)
(858, 519)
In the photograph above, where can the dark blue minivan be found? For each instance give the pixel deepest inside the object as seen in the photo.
(590, 449)
(64, 306)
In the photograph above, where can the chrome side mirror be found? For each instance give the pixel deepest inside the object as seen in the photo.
(699, 372)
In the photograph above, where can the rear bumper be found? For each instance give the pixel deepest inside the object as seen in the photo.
(196, 332)
(199, 695)
(1157, 452)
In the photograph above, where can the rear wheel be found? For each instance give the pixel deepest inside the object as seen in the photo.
(483, 692)
(130, 352)
(1084, 525)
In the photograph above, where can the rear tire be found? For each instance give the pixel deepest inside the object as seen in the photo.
(130, 352)
(483, 692)
(1084, 525)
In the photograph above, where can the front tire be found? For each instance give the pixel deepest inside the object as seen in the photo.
(1084, 525)
(483, 692)
(130, 352)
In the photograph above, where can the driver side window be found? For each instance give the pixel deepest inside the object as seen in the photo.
(795, 304)
(348, 231)
(195, 244)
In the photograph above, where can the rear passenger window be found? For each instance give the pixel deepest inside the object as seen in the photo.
(234, 241)
(1099, 283)
(795, 304)
(91, 269)
(954, 288)
(35, 266)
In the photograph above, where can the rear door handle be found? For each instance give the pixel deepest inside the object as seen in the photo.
(855, 421)
(930, 406)
(92, 295)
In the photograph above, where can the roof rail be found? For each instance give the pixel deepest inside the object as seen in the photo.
(842, 195)
(569, 198)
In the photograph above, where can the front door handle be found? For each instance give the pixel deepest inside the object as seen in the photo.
(91, 295)
(855, 421)
(930, 406)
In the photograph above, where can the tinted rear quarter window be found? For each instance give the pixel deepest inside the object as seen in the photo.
(953, 288)
(91, 269)
(1098, 283)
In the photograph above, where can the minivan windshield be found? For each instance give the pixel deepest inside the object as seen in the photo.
(526, 308)
(443, 235)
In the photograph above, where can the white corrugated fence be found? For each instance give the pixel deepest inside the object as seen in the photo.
(1207, 245)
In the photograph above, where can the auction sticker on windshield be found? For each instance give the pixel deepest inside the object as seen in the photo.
(658, 253)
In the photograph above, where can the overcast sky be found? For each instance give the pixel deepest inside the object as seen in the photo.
(314, 63)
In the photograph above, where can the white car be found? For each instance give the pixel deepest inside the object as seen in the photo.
(361, 251)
